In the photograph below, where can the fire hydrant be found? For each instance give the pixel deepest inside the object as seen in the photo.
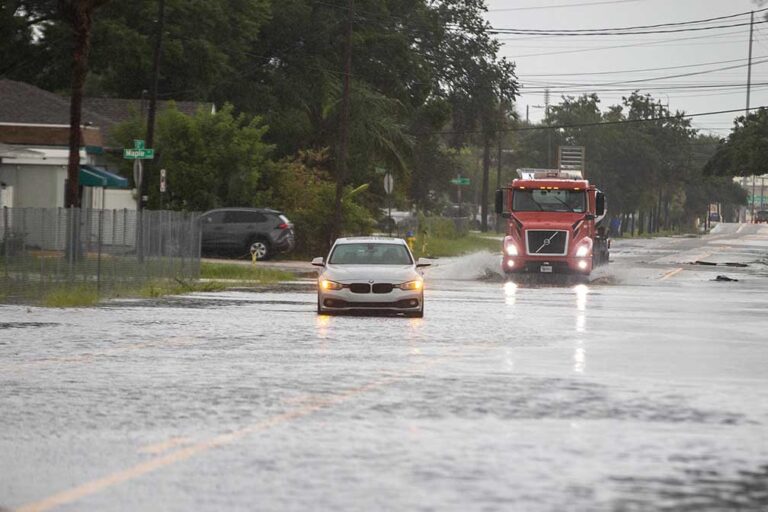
(410, 239)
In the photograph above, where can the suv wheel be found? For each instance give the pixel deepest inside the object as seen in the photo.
(260, 248)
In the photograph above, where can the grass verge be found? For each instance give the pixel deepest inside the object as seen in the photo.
(247, 273)
(70, 297)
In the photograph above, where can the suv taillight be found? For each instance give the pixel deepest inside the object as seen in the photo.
(282, 226)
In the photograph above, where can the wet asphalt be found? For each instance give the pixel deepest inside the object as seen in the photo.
(646, 389)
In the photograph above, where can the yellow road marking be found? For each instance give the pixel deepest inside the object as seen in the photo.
(99, 484)
(164, 446)
(670, 274)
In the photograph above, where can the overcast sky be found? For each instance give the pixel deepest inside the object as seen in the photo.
(553, 60)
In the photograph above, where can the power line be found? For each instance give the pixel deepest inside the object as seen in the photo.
(562, 6)
(681, 75)
(636, 27)
(638, 70)
(643, 44)
(618, 33)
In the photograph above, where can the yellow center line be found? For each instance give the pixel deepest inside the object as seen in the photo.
(164, 446)
(138, 470)
(670, 274)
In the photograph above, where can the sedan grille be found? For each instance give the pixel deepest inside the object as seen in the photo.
(382, 287)
(360, 288)
(547, 242)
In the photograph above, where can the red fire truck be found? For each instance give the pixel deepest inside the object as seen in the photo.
(552, 222)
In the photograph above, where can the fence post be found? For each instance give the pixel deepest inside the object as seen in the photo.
(98, 258)
(5, 240)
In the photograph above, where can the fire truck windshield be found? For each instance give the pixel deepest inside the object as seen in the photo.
(549, 201)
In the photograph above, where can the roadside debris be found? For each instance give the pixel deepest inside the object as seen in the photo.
(713, 264)
(724, 278)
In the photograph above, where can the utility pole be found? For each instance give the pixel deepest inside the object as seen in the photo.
(343, 151)
(153, 97)
(549, 130)
(749, 65)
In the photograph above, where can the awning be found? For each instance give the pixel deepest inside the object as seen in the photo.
(92, 176)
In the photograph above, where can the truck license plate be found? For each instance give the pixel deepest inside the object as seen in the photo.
(546, 269)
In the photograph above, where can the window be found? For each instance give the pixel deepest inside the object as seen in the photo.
(213, 218)
(549, 201)
(370, 254)
(244, 217)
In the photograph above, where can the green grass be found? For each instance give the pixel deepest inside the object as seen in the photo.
(246, 273)
(444, 247)
(160, 288)
(76, 296)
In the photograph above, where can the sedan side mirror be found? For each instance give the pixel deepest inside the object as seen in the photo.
(423, 263)
(318, 262)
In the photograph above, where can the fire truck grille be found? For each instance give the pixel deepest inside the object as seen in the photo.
(548, 242)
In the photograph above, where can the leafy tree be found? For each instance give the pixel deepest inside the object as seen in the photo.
(745, 151)
(212, 159)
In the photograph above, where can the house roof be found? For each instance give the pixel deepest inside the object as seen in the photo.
(118, 110)
(39, 113)
(26, 104)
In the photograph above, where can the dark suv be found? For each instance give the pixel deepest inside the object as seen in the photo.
(245, 231)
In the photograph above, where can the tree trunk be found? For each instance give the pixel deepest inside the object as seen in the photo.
(484, 195)
(81, 17)
(641, 223)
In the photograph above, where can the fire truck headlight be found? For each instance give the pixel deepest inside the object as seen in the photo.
(582, 252)
(583, 265)
(510, 263)
(511, 250)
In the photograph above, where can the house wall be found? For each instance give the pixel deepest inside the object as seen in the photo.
(35, 186)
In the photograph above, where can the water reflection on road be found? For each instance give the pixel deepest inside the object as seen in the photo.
(504, 397)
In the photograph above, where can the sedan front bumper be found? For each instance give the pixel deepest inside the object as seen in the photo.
(346, 300)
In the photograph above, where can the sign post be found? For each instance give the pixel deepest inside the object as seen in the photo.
(389, 186)
(460, 182)
(138, 153)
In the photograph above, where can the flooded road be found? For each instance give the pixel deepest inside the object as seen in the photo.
(645, 390)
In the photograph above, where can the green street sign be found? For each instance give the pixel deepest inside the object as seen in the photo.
(138, 144)
(460, 181)
(138, 154)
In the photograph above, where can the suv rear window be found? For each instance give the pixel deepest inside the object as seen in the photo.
(243, 217)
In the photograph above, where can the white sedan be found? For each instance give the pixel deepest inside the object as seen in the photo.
(368, 273)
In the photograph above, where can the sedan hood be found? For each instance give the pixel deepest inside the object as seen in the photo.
(375, 273)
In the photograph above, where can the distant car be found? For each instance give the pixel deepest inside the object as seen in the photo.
(246, 231)
(761, 216)
(714, 217)
(369, 273)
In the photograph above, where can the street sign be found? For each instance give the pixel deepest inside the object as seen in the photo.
(460, 181)
(389, 183)
(138, 154)
(162, 181)
(138, 151)
(380, 170)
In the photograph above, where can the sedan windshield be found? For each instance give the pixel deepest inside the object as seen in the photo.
(370, 254)
(549, 201)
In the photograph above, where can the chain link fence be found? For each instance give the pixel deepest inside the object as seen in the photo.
(44, 249)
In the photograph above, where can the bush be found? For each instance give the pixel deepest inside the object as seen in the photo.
(303, 189)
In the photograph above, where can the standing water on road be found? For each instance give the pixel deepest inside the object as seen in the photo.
(646, 394)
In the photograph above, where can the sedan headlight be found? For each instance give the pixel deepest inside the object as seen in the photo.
(330, 285)
(412, 285)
